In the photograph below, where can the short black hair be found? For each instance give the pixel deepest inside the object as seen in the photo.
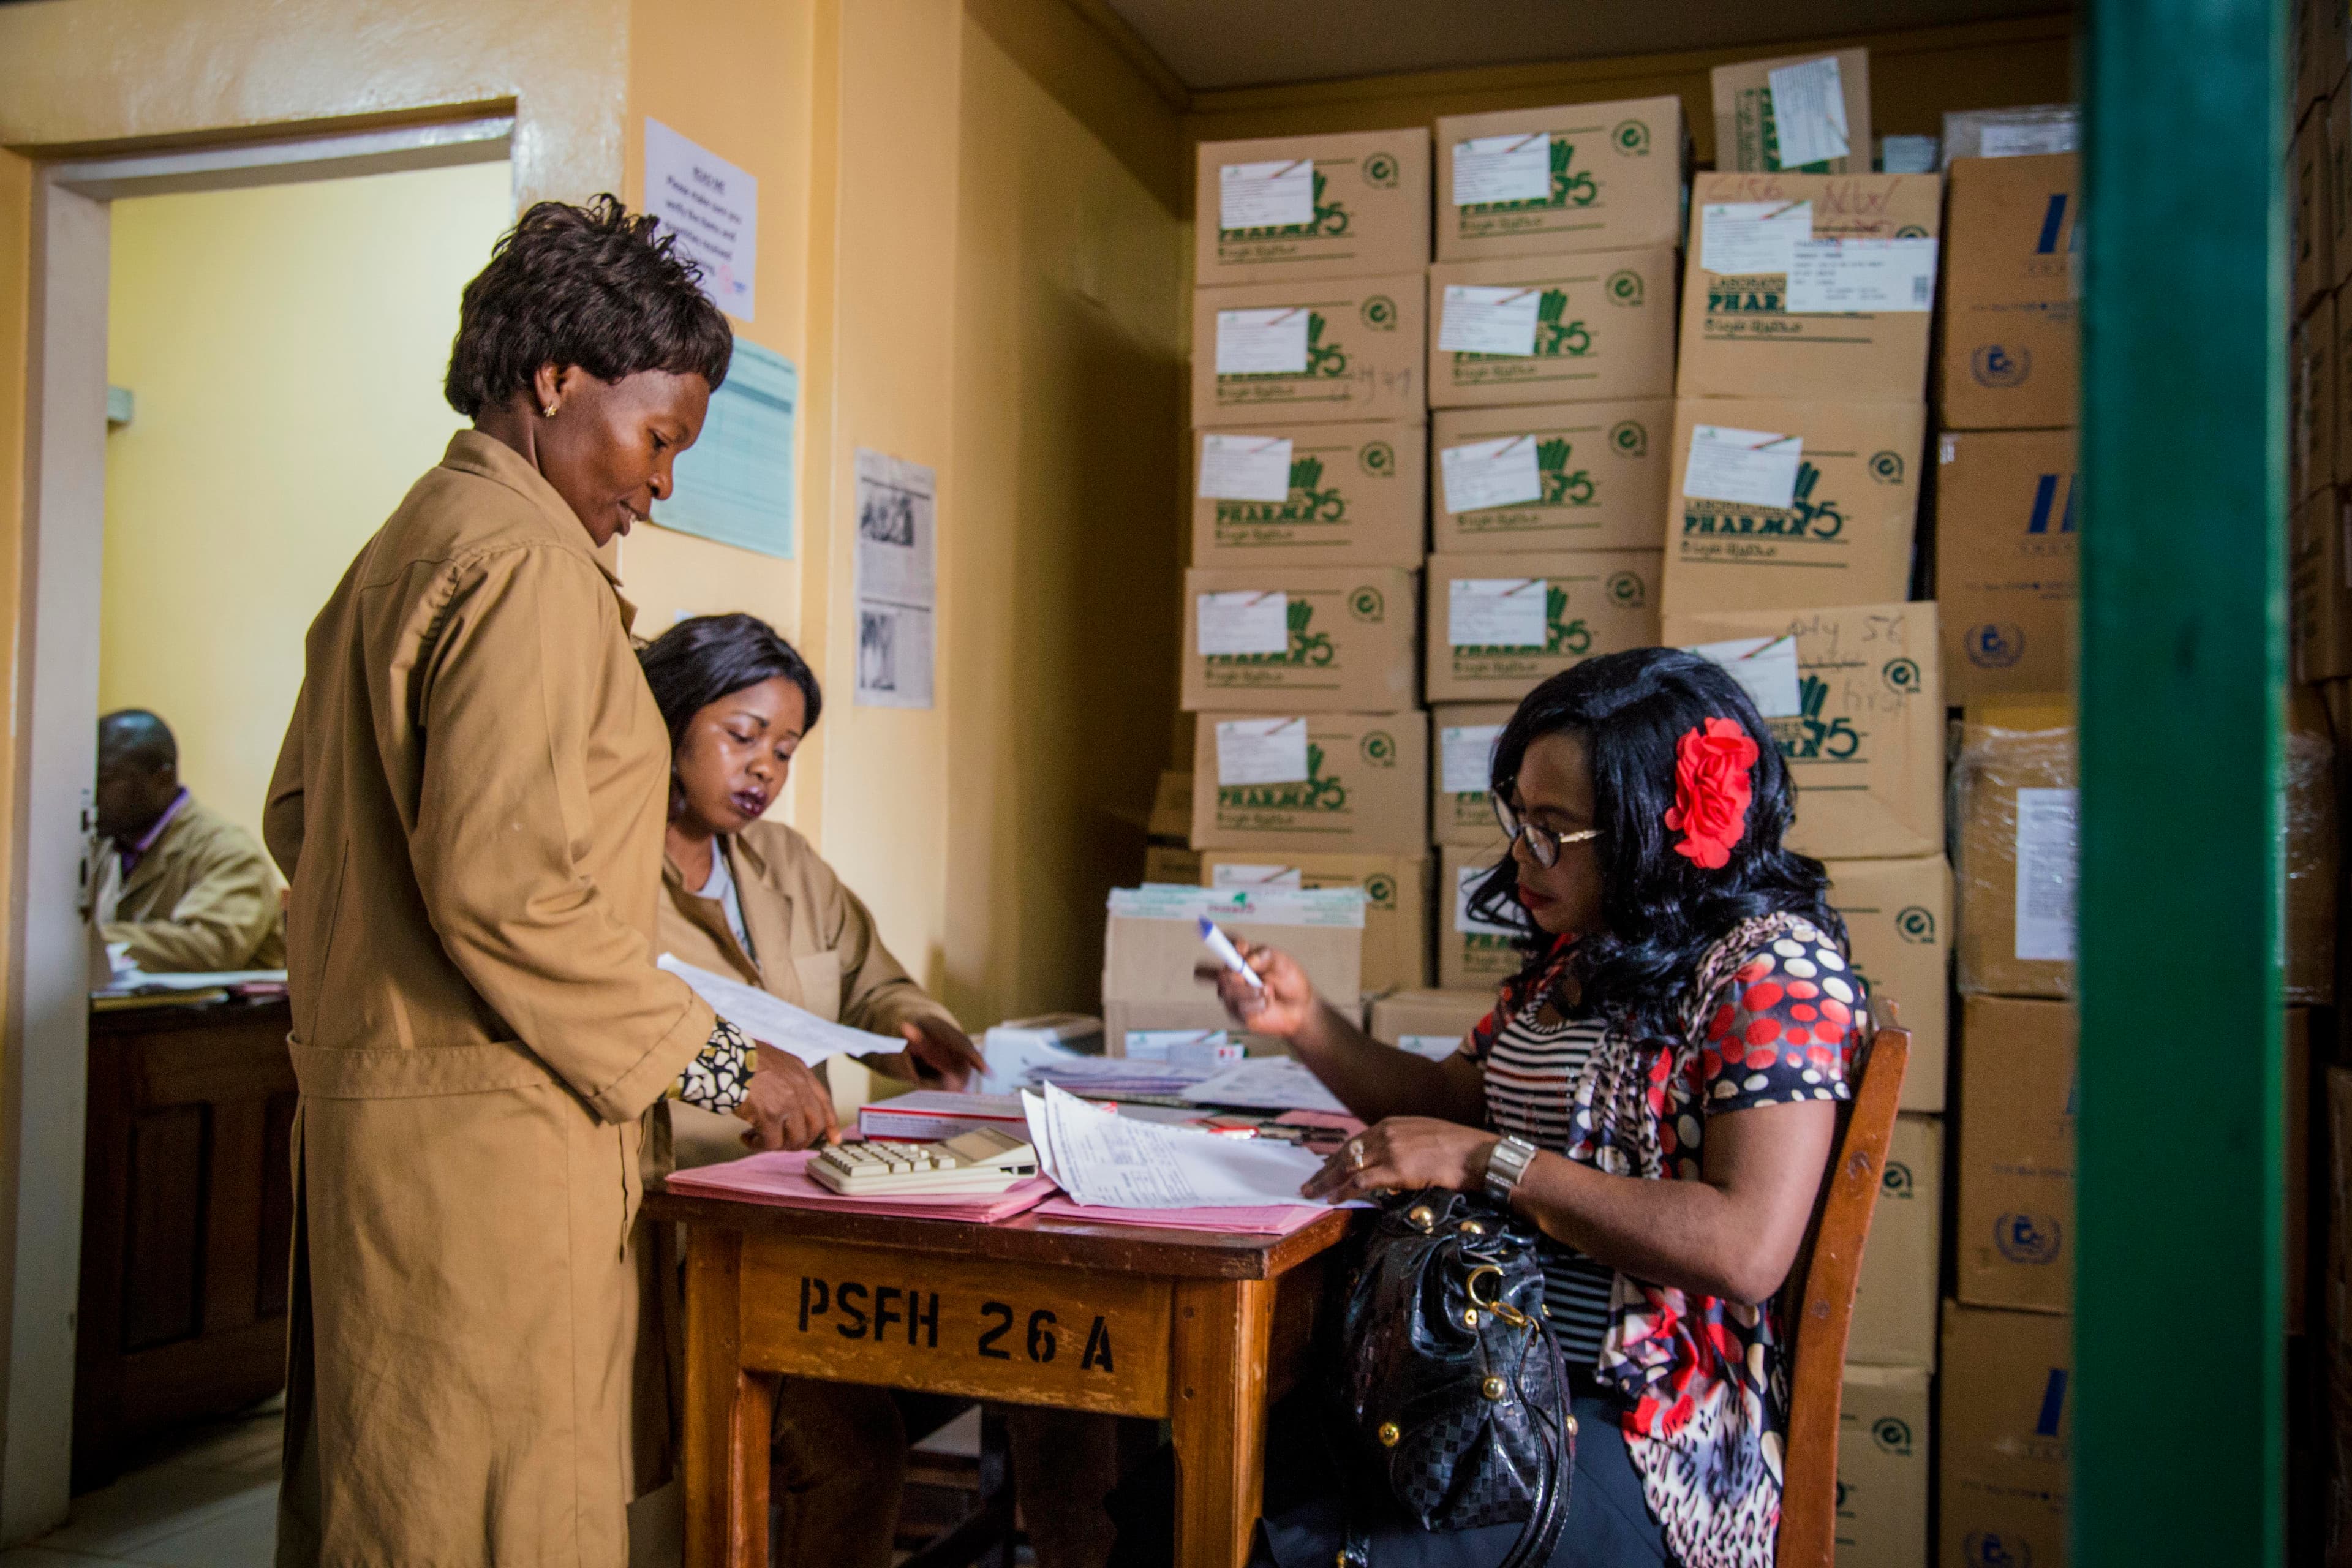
(699, 661)
(593, 287)
(133, 737)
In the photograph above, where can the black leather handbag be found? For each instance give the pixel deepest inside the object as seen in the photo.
(1454, 1384)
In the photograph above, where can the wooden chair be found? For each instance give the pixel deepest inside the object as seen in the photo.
(1823, 1311)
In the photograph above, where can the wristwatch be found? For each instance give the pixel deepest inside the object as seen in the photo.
(1506, 1165)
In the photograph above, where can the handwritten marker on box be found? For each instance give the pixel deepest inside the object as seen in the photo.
(1229, 955)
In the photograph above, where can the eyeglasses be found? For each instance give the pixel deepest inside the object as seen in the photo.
(1543, 842)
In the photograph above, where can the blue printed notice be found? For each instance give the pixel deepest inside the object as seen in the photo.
(735, 484)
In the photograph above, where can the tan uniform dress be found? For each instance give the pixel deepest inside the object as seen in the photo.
(470, 805)
(202, 897)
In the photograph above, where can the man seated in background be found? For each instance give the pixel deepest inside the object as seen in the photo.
(180, 888)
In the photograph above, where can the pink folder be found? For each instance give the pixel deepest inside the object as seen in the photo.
(1275, 1219)
(781, 1180)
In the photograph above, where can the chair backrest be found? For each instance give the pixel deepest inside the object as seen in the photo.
(1816, 1324)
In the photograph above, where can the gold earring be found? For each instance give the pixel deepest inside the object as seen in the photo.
(547, 411)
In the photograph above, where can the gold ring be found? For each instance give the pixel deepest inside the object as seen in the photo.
(1355, 1156)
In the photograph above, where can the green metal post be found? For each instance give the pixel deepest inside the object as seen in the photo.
(2180, 1342)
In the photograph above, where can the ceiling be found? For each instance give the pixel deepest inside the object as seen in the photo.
(1212, 44)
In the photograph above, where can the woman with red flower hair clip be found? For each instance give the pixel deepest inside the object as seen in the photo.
(1655, 1090)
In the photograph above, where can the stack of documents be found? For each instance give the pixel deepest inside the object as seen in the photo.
(1109, 1076)
(1104, 1160)
(1265, 1083)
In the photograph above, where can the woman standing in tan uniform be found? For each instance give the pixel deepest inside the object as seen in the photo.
(469, 806)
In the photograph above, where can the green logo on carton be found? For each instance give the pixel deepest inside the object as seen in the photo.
(1377, 458)
(1558, 336)
(1379, 313)
(1381, 171)
(1631, 137)
(1916, 925)
(1315, 792)
(1628, 592)
(1627, 438)
(1309, 500)
(1803, 737)
(1569, 187)
(1330, 222)
(1379, 748)
(1805, 517)
(1770, 128)
(1624, 287)
(1891, 1434)
(1560, 634)
(1306, 647)
(1368, 604)
(1381, 890)
(1561, 486)
(1902, 675)
(1752, 295)
(1886, 467)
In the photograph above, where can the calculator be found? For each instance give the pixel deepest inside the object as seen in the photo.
(984, 1159)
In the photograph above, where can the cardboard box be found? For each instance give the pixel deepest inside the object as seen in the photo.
(1463, 816)
(1595, 601)
(1746, 131)
(2015, 1218)
(1366, 793)
(1171, 863)
(1603, 466)
(1122, 1019)
(2005, 560)
(1350, 648)
(1895, 1300)
(1741, 340)
(1371, 209)
(1845, 539)
(1866, 754)
(1605, 329)
(1151, 942)
(2309, 211)
(2319, 587)
(1882, 1466)
(1171, 801)
(1355, 497)
(2312, 414)
(1427, 1016)
(2011, 280)
(1364, 355)
(1617, 172)
(1898, 922)
(1397, 909)
(2001, 1444)
(1472, 955)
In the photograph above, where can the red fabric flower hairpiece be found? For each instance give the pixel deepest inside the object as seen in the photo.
(1711, 790)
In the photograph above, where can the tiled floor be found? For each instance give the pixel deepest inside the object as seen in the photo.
(207, 1499)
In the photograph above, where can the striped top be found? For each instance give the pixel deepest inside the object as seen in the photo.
(1531, 1073)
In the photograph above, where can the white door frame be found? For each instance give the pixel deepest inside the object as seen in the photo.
(45, 1073)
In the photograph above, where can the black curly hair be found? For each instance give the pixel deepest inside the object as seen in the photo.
(699, 661)
(592, 286)
(1662, 910)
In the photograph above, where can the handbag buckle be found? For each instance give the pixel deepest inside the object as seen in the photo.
(1492, 1303)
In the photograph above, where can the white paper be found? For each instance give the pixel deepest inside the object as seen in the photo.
(130, 980)
(1480, 320)
(772, 1021)
(1211, 1050)
(1512, 168)
(1244, 467)
(1482, 474)
(1466, 757)
(713, 207)
(1245, 621)
(2045, 874)
(897, 573)
(1262, 342)
(2025, 137)
(1267, 1083)
(894, 656)
(1109, 1161)
(1261, 751)
(1466, 882)
(1832, 275)
(1279, 194)
(1809, 112)
(1496, 612)
(1228, 875)
(1753, 468)
(1436, 1048)
(1766, 668)
(1751, 237)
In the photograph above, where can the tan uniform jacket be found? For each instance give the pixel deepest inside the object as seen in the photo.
(470, 805)
(202, 897)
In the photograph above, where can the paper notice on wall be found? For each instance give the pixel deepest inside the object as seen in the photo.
(1247, 622)
(894, 656)
(1477, 320)
(1766, 668)
(1513, 168)
(896, 581)
(1827, 276)
(1432, 1047)
(1751, 237)
(1277, 194)
(1752, 467)
(1262, 342)
(1482, 474)
(1466, 883)
(2045, 874)
(1238, 876)
(1466, 757)
(1244, 467)
(713, 208)
(1809, 112)
(1496, 612)
(1261, 751)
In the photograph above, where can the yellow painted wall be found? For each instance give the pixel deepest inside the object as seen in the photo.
(285, 346)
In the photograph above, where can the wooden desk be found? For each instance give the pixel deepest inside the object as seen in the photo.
(1200, 1329)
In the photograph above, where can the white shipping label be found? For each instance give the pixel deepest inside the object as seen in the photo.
(1279, 194)
(1513, 168)
(1832, 275)
(1256, 876)
(1435, 1048)
(1909, 154)
(1262, 342)
(1751, 237)
(1478, 320)
(2045, 874)
(1261, 750)
(1185, 1050)
(1244, 467)
(2026, 138)
(1809, 112)
(1466, 882)
(1245, 621)
(1496, 612)
(1466, 757)
(1753, 468)
(1500, 472)
(1766, 668)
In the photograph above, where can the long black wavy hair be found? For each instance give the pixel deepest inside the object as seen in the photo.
(1662, 910)
(699, 661)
